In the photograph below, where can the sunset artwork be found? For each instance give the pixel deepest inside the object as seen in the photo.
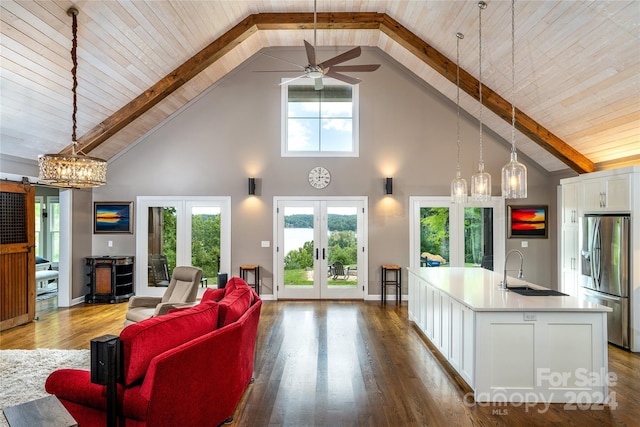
(112, 218)
(528, 221)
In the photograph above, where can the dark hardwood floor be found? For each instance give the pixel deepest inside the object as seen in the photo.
(329, 363)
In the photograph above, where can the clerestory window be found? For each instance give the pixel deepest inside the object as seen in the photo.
(319, 123)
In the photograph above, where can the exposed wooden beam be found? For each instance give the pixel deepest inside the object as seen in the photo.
(343, 20)
(167, 85)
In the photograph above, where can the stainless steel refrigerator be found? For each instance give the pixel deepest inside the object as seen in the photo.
(605, 275)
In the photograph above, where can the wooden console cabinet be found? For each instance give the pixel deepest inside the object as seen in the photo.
(111, 279)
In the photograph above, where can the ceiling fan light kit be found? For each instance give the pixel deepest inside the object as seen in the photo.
(317, 70)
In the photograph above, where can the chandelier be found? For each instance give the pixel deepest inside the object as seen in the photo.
(514, 173)
(74, 170)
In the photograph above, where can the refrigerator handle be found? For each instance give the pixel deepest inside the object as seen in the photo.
(596, 253)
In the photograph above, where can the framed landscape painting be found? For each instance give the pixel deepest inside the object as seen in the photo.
(527, 222)
(112, 217)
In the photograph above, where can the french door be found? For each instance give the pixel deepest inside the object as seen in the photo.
(456, 235)
(173, 231)
(320, 248)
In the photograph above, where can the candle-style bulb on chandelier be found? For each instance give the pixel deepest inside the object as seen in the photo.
(74, 170)
(514, 173)
(481, 180)
(459, 184)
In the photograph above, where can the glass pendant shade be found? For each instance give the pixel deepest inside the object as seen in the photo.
(481, 185)
(514, 179)
(458, 189)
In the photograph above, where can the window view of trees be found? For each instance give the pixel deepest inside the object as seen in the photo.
(434, 235)
(205, 242)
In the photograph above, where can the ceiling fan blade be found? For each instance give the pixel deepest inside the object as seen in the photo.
(342, 77)
(318, 84)
(311, 53)
(343, 57)
(276, 71)
(283, 60)
(351, 68)
(293, 79)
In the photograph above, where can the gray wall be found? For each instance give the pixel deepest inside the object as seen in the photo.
(407, 131)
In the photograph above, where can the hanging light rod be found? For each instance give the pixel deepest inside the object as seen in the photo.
(514, 173)
(459, 184)
(481, 180)
(74, 170)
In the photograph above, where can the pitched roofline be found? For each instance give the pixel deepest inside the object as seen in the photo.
(342, 20)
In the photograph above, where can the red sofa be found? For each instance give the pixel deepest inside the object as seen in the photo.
(189, 367)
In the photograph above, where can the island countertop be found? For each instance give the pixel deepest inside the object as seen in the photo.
(478, 289)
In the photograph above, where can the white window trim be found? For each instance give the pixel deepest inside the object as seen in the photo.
(456, 228)
(51, 200)
(355, 117)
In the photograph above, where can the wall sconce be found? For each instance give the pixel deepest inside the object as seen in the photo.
(252, 186)
(388, 186)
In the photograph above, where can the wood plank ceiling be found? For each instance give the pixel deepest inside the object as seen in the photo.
(577, 66)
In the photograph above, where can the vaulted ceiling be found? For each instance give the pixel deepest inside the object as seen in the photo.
(577, 66)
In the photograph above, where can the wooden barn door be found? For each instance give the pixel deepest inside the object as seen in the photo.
(17, 254)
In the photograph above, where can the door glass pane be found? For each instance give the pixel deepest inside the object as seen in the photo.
(205, 241)
(298, 246)
(161, 244)
(342, 245)
(54, 231)
(478, 237)
(434, 237)
(39, 244)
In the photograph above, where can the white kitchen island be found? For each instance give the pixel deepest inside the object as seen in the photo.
(509, 347)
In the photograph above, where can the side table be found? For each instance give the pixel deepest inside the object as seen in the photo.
(44, 412)
(255, 269)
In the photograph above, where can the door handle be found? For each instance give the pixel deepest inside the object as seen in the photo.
(316, 253)
(323, 254)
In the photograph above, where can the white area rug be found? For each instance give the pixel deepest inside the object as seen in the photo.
(24, 372)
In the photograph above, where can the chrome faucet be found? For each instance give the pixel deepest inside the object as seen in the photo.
(503, 283)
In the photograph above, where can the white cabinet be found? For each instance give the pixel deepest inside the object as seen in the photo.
(461, 345)
(569, 232)
(447, 323)
(570, 203)
(608, 193)
(569, 260)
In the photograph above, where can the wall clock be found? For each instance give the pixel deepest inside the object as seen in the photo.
(319, 177)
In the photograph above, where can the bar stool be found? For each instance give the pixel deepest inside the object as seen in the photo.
(396, 281)
(244, 269)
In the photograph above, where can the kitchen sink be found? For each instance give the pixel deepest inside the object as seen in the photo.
(527, 291)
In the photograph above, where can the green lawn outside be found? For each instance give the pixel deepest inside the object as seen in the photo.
(299, 278)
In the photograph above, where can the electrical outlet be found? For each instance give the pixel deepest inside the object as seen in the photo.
(529, 316)
(266, 243)
(525, 244)
(110, 243)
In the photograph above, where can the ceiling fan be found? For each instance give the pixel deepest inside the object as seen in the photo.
(329, 68)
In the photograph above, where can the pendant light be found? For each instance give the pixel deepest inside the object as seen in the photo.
(459, 184)
(72, 170)
(514, 173)
(481, 180)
